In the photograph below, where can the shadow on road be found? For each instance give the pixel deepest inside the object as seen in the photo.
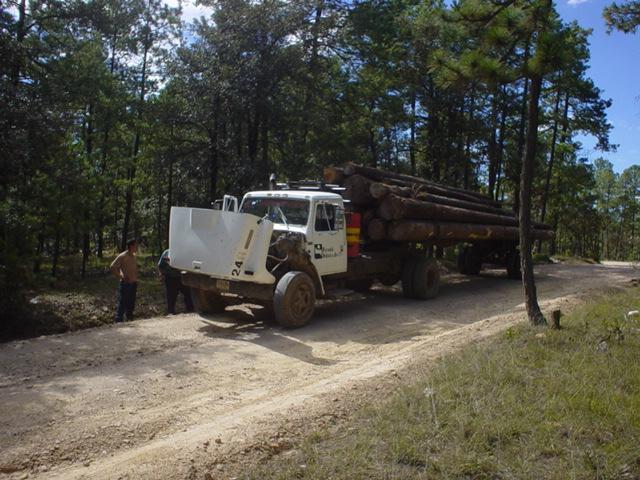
(385, 316)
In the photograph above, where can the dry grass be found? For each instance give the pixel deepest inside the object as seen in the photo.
(530, 404)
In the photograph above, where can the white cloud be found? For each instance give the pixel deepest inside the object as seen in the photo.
(190, 10)
(575, 3)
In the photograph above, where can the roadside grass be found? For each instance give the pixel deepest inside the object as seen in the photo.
(574, 260)
(541, 259)
(530, 403)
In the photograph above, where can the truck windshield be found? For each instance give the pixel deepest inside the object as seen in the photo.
(287, 211)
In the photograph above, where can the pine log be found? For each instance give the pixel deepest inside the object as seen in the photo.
(396, 208)
(333, 175)
(365, 218)
(377, 229)
(380, 190)
(432, 187)
(357, 190)
(421, 231)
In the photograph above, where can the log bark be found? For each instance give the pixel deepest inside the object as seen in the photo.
(432, 187)
(377, 229)
(422, 231)
(396, 208)
(381, 190)
(366, 217)
(357, 191)
(333, 175)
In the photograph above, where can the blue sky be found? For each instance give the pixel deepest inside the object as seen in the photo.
(615, 68)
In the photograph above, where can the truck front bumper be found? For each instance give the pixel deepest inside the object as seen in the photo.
(249, 290)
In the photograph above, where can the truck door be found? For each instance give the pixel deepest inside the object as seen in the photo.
(328, 250)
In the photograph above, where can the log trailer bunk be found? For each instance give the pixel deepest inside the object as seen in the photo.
(288, 247)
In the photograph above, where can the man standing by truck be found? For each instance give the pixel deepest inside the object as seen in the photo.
(173, 284)
(125, 268)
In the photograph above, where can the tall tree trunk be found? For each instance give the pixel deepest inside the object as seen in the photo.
(552, 154)
(526, 179)
(521, 130)
(492, 145)
(467, 147)
(213, 151)
(169, 195)
(264, 141)
(131, 174)
(38, 260)
(56, 249)
(21, 33)
(104, 155)
(86, 224)
(159, 217)
(500, 146)
(412, 133)
(308, 112)
(373, 147)
(213, 165)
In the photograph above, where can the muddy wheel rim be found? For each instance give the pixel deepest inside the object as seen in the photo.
(302, 301)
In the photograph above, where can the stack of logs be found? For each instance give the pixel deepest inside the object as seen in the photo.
(403, 208)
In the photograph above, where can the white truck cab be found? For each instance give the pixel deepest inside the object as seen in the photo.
(319, 216)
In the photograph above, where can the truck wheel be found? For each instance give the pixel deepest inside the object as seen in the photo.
(470, 261)
(426, 279)
(206, 301)
(408, 270)
(513, 265)
(294, 299)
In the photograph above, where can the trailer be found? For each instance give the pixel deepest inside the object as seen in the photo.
(286, 248)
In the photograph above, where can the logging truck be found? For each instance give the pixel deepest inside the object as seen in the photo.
(286, 248)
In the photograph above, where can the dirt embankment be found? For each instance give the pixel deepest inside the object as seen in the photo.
(184, 396)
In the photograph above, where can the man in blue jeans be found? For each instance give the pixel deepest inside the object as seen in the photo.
(125, 268)
(173, 284)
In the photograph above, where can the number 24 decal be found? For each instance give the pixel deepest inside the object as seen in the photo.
(236, 271)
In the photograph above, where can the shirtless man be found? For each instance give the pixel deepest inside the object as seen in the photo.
(125, 269)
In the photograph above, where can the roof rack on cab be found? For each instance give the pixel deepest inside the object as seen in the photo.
(311, 185)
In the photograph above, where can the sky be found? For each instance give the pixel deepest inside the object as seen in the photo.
(614, 68)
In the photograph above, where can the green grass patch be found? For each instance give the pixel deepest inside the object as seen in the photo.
(531, 403)
(541, 259)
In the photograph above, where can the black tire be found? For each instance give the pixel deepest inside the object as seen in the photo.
(426, 279)
(362, 285)
(513, 265)
(294, 300)
(408, 270)
(206, 301)
(470, 260)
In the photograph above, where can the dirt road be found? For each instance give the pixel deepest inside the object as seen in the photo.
(165, 397)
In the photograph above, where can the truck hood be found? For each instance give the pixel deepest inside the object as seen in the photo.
(220, 244)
